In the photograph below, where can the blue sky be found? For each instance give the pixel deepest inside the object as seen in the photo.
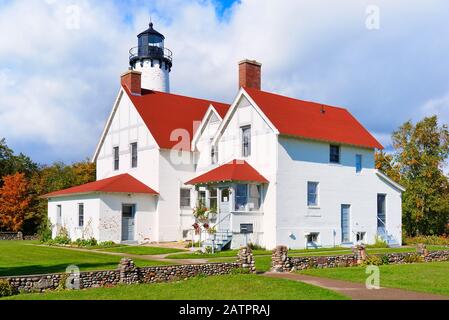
(60, 60)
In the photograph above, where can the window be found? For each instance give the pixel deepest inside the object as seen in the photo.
(358, 163)
(81, 215)
(213, 199)
(185, 197)
(246, 141)
(246, 228)
(116, 159)
(312, 194)
(248, 197)
(202, 198)
(361, 236)
(334, 154)
(58, 214)
(345, 223)
(213, 154)
(381, 211)
(313, 237)
(134, 155)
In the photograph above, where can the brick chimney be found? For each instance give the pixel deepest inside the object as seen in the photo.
(250, 74)
(133, 81)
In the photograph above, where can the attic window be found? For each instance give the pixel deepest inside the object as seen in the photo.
(214, 154)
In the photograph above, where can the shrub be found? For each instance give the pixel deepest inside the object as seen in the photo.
(373, 261)
(6, 289)
(195, 244)
(385, 259)
(413, 258)
(44, 232)
(239, 271)
(107, 244)
(253, 246)
(92, 242)
(379, 243)
(208, 250)
(429, 240)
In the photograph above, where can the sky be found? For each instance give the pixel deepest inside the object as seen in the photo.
(60, 60)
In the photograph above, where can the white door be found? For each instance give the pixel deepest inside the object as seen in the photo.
(128, 215)
(225, 210)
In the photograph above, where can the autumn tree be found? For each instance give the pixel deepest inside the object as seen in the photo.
(385, 163)
(420, 153)
(14, 202)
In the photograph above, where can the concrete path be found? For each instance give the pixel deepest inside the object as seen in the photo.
(358, 291)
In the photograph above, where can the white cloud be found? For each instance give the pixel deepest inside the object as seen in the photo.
(57, 85)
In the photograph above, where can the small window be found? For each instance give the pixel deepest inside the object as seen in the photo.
(334, 154)
(313, 237)
(246, 141)
(361, 236)
(213, 199)
(241, 197)
(312, 194)
(81, 215)
(134, 155)
(201, 198)
(246, 228)
(58, 214)
(116, 159)
(213, 154)
(358, 163)
(185, 197)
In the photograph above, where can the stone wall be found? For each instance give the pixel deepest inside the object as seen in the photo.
(128, 273)
(282, 263)
(4, 236)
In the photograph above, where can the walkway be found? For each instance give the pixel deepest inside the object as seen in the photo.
(358, 291)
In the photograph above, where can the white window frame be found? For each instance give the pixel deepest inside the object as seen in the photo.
(317, 194)
(114, 160)
(181, 198)
(244, 129)
(247, 207)
(80, 205)
(131, 147)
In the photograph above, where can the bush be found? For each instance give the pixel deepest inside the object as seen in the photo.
(240, 271)
(107, 244)
(413, 258)
(429, 240)
(6, 289)
(379, 243)
(196, 244)
(373, 261)
(253, 246)
(92, 242)
(44, 232)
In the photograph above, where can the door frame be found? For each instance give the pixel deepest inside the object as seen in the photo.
(134, 210)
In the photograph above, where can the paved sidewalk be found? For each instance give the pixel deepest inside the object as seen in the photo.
(358, 291)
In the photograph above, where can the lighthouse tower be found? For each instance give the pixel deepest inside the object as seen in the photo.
(153, 60)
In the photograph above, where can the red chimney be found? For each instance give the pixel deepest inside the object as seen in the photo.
(250, 74)
(133, 81)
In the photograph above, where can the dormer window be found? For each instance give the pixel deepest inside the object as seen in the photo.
(246, 141)
(213, 154)
(334, 156)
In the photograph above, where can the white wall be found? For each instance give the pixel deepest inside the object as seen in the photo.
(70, 213)
(154, 77)
(263, 158)
(301, 161)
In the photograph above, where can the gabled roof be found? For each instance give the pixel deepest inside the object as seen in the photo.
(309, 120)
(123, 183)
(236, 170)
(163, 113)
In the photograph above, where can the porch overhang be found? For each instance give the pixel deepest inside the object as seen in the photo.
(234, 171)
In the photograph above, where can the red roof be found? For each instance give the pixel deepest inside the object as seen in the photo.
(165, 112)
(311, 120)
(236, 170)
(123, 183)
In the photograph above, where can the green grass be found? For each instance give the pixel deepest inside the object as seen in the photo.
(143, 250)
(26, 258)
(228, 287)
(426, 277)
(221, 254)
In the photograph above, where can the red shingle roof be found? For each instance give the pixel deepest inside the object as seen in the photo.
(236, 170)
(311, 120)
(164, 112)
(123, 183)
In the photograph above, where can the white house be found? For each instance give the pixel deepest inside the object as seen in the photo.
(277, 170)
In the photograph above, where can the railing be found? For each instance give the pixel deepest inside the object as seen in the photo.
(150, 52)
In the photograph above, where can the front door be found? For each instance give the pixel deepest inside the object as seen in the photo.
(381, 213)
(345, 223)
(225, 209)
(128, 216)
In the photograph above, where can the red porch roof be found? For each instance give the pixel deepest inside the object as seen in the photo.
(123, 183)
(236, 170)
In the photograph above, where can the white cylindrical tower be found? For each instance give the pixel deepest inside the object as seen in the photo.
(152, 59)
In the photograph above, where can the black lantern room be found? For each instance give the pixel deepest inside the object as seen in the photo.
(151, 47)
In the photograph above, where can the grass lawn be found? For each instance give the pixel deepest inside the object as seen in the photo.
(229, 287)
(26, 258)
(143, 250)
(426, 277)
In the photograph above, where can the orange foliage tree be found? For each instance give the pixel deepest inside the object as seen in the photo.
(14, 201)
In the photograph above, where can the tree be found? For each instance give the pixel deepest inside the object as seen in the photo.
(10, 163)
(14, 201)
(419, 157)
(385, 163)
